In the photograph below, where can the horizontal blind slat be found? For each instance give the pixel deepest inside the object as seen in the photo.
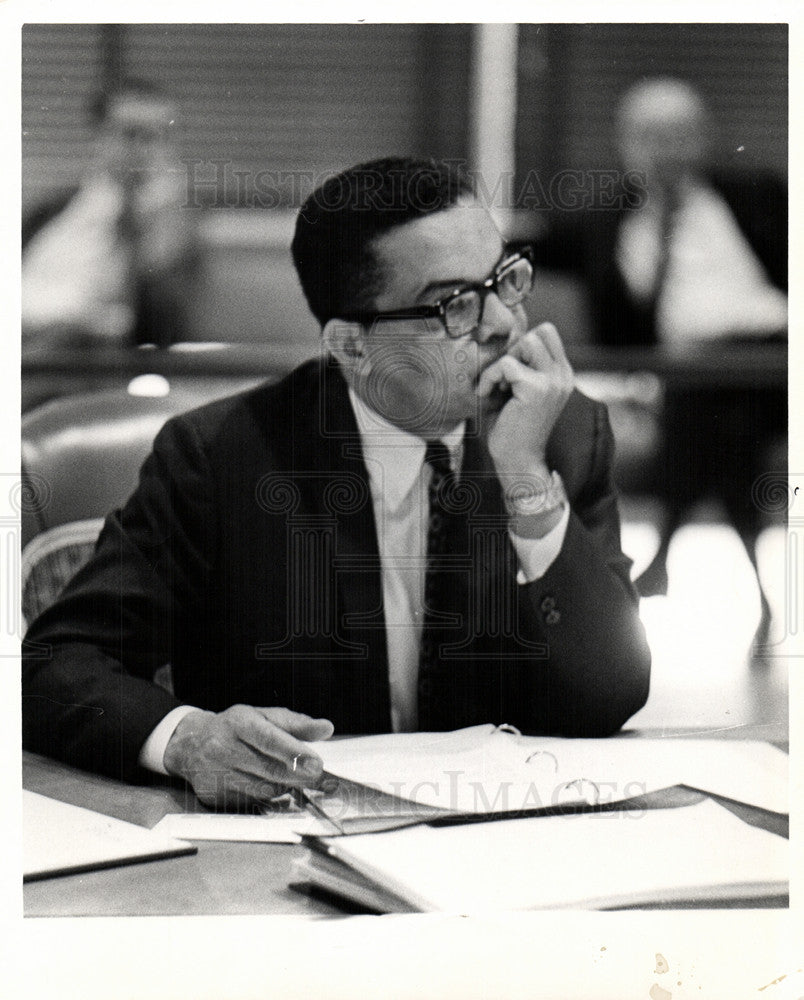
(289, 97)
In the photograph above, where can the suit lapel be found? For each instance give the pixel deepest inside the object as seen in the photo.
(338, 492)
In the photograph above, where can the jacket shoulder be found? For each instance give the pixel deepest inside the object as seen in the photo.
(261, 406)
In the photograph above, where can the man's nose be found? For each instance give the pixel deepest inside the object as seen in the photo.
(496, 320)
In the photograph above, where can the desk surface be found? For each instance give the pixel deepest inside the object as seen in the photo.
(222, 878)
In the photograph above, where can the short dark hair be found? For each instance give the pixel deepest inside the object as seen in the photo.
(336, 226)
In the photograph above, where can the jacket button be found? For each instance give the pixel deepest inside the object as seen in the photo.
(552, 617)
(548, 604)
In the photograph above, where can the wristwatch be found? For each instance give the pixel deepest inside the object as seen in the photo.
(530, 497)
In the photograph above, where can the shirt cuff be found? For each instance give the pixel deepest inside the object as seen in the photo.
(152, 754)
(537, 555)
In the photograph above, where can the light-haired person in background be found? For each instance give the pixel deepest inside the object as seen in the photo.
(696, 255)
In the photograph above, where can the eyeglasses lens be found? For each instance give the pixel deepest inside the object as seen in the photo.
(462, 314)
(513, 284)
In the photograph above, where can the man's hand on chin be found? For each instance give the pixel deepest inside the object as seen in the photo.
(245, 754)
(533, 382)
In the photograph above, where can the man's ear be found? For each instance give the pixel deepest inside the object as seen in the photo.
(344, 341)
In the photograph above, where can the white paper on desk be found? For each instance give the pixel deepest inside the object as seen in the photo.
(281, 828)
(746, 771)
(59, 838)
(478, 769)
(483, 769)
(591, 861)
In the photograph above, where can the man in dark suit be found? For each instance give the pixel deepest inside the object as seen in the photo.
(280, 549)
(686, 254)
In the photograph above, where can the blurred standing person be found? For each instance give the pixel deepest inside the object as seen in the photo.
(111, 261)
(695, 255)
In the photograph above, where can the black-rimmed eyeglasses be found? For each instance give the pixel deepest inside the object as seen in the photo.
(461, 310)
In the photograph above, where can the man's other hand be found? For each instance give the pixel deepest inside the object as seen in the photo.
(536, 371)
(245, 755)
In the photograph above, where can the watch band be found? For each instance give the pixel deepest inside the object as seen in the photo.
(531, 497)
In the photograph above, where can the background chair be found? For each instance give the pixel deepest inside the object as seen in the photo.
(81, 457)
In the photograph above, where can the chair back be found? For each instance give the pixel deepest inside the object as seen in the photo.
(81, 457)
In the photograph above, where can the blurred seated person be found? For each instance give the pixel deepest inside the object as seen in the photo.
(111, 261)
(681, 251)
(686, 254)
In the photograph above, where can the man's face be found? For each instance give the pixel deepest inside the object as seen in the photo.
(663, 134)
(417, 376)
(136, 139)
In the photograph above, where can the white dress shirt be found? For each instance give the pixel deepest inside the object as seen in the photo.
(399, 479)
(714, 285)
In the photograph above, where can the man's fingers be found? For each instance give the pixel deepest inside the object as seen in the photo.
(507, 370)
(303, 727)
(244, 753)
(238, 788)
(531, 350)
(539, 350)
(541, 347)
(518, 373)
(264, 736)
(554, 344)
(489, 378)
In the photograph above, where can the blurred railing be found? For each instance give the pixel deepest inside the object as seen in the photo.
(48, 371)
(737, 364)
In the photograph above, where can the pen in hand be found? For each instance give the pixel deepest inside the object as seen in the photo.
(305, 801)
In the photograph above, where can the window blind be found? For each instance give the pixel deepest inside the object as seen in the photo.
(574, 74)
(257, 101)
(61, 67)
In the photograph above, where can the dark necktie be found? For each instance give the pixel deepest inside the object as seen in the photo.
(439, 624)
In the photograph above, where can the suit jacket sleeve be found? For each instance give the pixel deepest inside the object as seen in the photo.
(89, 660)
(597, 670)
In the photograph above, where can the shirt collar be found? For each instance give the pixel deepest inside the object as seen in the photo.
(393, 456)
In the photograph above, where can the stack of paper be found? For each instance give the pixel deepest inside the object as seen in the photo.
(697, 854)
